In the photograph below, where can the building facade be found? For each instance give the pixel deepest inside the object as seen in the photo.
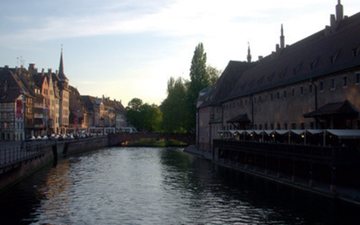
(311, 84)
(33, 103)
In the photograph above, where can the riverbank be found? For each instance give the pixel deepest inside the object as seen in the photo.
(349, 195)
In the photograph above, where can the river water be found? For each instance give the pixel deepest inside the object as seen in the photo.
(158, 186)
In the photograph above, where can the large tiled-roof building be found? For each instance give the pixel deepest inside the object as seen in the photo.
(314, 83)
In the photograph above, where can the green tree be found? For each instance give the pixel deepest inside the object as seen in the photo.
(135, 104)
(213, 74)
(144, 117)
(199, 79)
(151, 117)
(174, 107)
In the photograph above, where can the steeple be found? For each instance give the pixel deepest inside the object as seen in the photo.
(249, 54)
(339, 11)
(282, 38)
(61, 67)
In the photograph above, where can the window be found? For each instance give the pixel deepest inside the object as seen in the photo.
(278, 126)
(301, 90)
(271, 97)
(265, 126)
(285, 126)
(357, 78)
(272, 126)
(310, 88)
(302, 125)
(293, 126)
(284, 94)
(278, 95)
(344, 81)
(260, 126)
(312, 125)
(293, 92)
(321, 84)
(333, 84)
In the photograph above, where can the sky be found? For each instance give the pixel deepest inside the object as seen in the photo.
(124, 49)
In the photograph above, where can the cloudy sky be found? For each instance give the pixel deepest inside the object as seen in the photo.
(130, 48)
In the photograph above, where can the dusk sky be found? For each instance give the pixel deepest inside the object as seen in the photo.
(130, 48)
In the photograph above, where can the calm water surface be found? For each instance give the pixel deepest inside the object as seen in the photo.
(158, 186)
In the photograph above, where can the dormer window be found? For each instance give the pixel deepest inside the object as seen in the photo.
(314, 63)
(334, 57)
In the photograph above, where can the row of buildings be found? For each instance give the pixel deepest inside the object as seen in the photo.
(36, 103)
(311, 84)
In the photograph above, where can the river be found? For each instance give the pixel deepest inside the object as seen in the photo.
(158, 186)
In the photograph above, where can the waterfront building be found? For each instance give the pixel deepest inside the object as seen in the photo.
(12, 106)
(33, 103)
(311, 84)
(103, 113)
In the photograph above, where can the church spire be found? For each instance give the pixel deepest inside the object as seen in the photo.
(249, 54)
(61, 67)
(339, 11)
(282, 38)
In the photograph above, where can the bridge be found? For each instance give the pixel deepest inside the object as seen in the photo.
(121, 138)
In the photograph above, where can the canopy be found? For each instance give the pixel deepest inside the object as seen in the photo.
(268, 132)
(281, 132)
(312, 131)
(334, 109)
(345, 134)
(298, 132)
(233, 132)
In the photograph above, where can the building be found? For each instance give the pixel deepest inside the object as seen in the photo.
(102, 113)
(13, 100)
(33, 103)
(314, 83)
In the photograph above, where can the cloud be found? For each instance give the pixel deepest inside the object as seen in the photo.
(175, 18)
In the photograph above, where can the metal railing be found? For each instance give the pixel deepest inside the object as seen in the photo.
(12, 153)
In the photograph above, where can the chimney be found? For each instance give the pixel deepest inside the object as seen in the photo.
(277, 48)
(332, 20)
(260, 57)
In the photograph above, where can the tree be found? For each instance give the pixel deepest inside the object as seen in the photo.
(135, 104)
(199, 80)
(174, 107)
(143, 116)
(213, 74)
(151, 117)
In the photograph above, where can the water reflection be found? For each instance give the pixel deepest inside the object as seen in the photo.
(159, 186)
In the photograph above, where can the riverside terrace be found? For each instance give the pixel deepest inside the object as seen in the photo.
(325, 162)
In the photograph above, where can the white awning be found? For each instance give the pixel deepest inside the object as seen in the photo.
(346, 134)
(233, 132)
(268, 132)
(240, 131)
(312, 131)
(258, 131)
(282, 132)
(298, 132)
